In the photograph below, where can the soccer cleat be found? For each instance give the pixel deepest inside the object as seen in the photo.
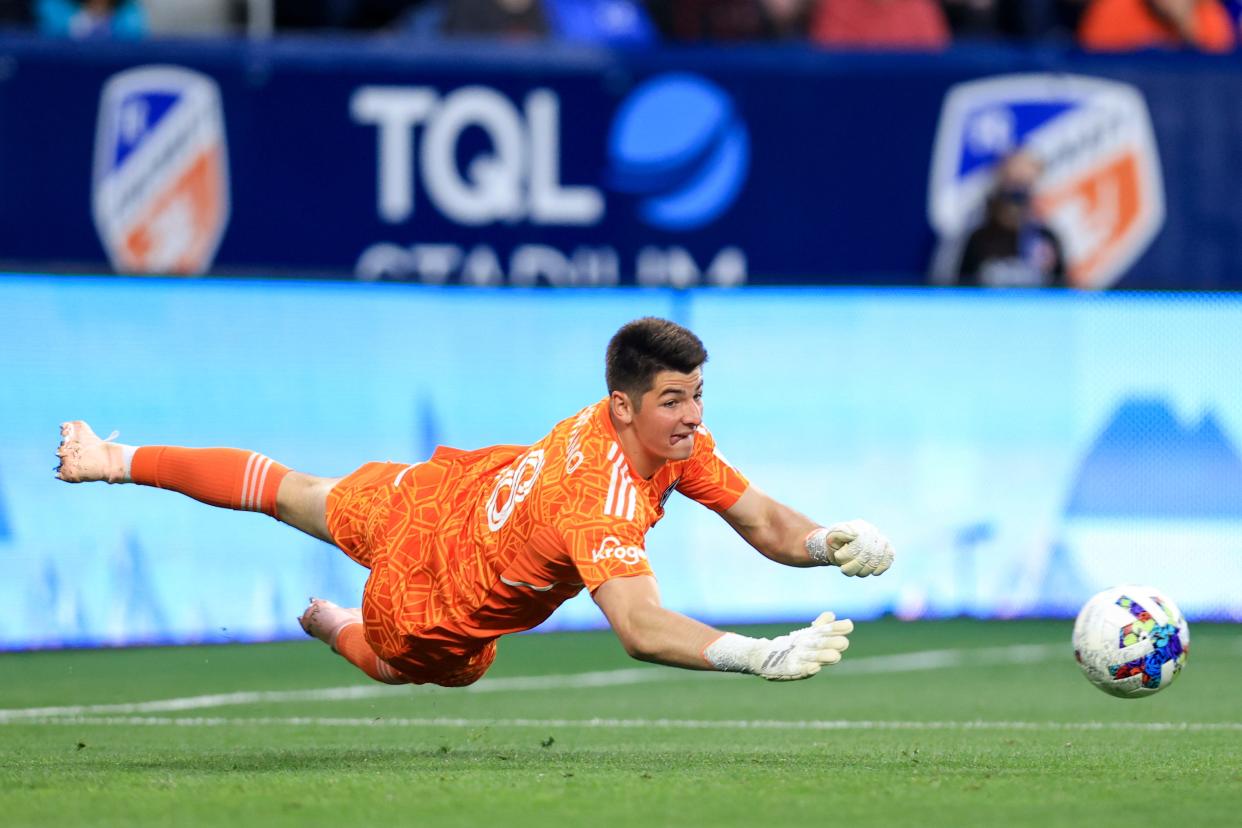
(85, 458)
(325, 620)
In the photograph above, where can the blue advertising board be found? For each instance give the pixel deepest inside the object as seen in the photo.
(1023, 450)
(500, 165)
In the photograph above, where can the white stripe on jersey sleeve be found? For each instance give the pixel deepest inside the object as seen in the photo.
(612, 490)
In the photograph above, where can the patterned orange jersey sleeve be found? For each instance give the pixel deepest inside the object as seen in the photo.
(605, 521)
(708, 478)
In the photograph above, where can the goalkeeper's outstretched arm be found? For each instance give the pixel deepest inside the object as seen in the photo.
(789, 537)
(650, 632)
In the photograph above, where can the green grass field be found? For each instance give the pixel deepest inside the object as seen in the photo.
(947, 723)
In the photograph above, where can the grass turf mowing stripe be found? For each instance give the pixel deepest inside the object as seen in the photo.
(899, 663)
(630, 724)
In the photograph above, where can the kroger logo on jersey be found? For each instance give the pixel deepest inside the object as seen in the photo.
(612, 548)
(160, 194)
(1100, 190)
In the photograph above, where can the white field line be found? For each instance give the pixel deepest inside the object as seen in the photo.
(901, 663)
(635, 724)
(602, 678)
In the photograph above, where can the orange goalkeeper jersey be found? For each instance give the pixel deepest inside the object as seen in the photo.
(471, 545)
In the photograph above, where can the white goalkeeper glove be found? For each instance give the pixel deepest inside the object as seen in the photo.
(856, 546)
(798, 655)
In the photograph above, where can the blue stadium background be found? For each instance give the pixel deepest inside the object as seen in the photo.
(1023, 449)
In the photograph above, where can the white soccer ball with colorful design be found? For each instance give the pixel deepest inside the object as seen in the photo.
(1131, 641)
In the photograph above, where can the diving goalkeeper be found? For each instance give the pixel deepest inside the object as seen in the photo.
(469, 546)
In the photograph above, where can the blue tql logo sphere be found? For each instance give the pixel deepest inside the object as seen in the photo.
(678, 143)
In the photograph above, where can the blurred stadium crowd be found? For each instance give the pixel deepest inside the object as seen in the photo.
(989, 142)
(1101, 25)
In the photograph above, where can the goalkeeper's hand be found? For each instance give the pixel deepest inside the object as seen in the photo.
(855, 546)
(798, 655)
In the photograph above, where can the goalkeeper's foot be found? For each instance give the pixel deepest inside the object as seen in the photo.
(85, 458)
(325, 620)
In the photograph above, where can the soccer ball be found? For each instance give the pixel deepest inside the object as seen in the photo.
(1131, 641)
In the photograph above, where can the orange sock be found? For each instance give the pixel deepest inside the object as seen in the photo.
(352, 644)
(227, 477)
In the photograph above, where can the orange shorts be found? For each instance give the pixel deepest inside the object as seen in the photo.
(388, 517)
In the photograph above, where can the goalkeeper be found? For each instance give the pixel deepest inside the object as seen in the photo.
(469, 546)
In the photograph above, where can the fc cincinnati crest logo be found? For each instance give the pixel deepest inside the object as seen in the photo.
(1101, 189)
(161, 192)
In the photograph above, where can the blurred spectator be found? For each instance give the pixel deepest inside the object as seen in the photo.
(340, 14)
(975, 19)
(879, 24)
(616, 22)
(509, 19)
(15, 13)
(690, 21)
(1013, 19)
(195, 18)
(1012, 247)
(91, 19)
(1234, 8)
(1131, 25)
(611, 22)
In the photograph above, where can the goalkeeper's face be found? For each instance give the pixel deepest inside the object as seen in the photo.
(670, 412)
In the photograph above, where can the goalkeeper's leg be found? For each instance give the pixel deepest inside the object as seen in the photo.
(226, 477)
(341, 629)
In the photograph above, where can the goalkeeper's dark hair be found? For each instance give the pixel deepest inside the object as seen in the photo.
(644, 348)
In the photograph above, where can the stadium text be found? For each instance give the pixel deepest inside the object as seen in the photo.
(519, 180)
(528, 265)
